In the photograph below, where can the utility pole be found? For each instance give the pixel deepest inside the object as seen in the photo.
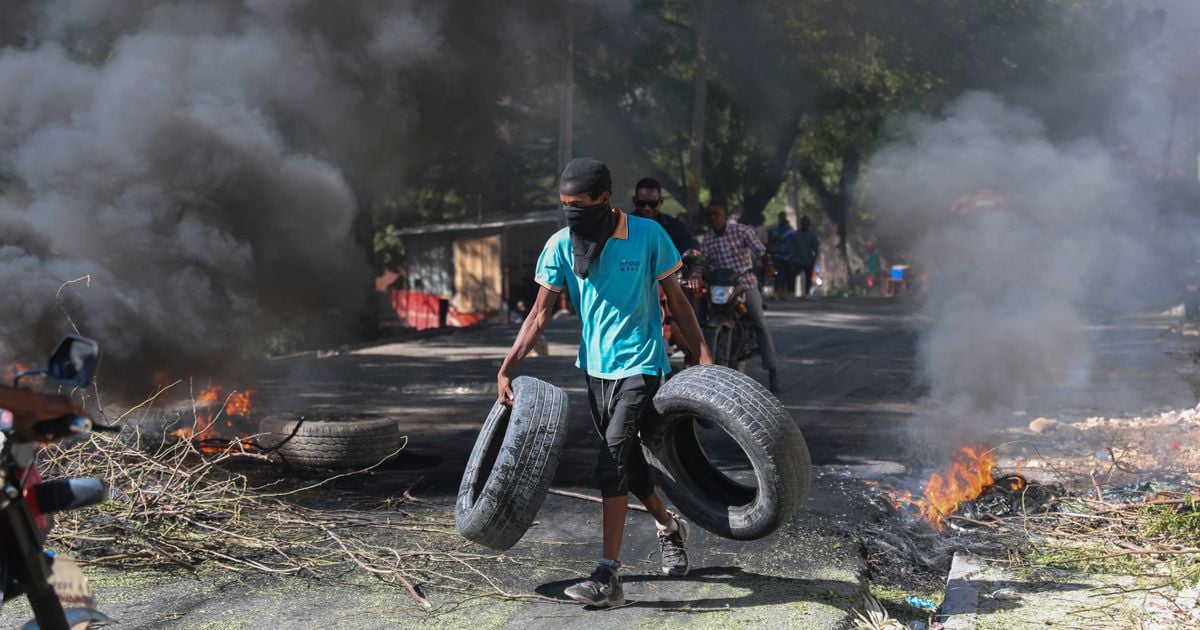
(699, 97)
(566, 114)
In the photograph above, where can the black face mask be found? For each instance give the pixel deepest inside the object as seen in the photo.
(590, 228)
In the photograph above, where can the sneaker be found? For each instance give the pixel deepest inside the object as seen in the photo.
(674, 548)
(602, 589)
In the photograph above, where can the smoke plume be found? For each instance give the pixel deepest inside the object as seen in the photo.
(1060, 219)
(200, 163)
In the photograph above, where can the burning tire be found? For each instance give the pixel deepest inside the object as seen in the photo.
(759, 425)
(349, 443)
(512, 465)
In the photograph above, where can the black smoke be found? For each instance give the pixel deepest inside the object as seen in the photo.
(209, 166)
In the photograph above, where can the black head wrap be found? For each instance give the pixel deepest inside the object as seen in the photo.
(591, 226)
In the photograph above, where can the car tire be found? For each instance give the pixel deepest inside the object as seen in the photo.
(758, 423)
(340, 443)
(512, 465)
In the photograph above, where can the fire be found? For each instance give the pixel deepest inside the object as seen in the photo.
(214, 406)
(965, 479)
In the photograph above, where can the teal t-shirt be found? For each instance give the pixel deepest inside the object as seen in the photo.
(618, 301)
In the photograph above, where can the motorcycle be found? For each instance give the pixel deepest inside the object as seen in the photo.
(29, 419)
(731, 338)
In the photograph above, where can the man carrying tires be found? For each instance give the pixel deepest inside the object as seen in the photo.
(611, 265)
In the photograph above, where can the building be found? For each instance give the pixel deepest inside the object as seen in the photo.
(458, 274)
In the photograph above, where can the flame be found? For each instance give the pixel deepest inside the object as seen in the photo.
(965, 479)
(213, 405)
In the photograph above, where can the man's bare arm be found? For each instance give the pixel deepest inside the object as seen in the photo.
(681, 309)
(531, 331)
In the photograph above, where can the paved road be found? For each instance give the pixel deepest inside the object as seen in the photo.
(849, 380)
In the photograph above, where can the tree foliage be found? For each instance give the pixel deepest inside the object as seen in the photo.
(802, 86)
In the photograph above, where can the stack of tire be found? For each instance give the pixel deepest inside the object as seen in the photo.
(516, 455)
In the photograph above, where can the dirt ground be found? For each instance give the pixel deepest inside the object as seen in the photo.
(849, 380)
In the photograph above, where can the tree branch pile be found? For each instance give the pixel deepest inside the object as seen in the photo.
(172, 505)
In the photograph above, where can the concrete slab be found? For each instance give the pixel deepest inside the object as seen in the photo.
(1052, 598)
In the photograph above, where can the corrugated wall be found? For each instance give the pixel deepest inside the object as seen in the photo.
(478, 274)
(429, 259)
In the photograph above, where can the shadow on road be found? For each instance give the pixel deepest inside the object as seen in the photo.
(762, 590)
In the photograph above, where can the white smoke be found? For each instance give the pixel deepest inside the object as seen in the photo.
(1084, 229)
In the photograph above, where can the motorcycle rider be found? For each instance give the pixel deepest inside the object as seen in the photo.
(611, 265)
(735, 246)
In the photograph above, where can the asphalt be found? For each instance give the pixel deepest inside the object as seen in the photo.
(849, 380)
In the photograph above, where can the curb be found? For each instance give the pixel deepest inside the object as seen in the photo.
(961, 602)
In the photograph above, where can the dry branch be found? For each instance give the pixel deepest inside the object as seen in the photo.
(172, 505)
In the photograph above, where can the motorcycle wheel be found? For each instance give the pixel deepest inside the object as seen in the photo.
(723, 346)
(741, 348)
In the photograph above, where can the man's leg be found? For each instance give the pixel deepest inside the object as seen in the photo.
(635, 409)
(657, 508)
(603, 587)
(615, 509)
(621, 468)
(754, 307)
(619, 409)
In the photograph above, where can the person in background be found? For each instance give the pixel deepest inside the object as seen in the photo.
(806, 250)
(780, 245)
(871, 269)
(520, 310)
(647, 203)
(735, 246)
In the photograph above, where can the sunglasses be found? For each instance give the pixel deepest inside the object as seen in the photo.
(642, 203)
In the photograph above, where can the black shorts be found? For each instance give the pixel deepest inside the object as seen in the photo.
(619, 410)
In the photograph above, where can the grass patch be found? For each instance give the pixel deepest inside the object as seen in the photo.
(1174, 523)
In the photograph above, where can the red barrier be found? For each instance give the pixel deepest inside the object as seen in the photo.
(419, 311)
(416, 309)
